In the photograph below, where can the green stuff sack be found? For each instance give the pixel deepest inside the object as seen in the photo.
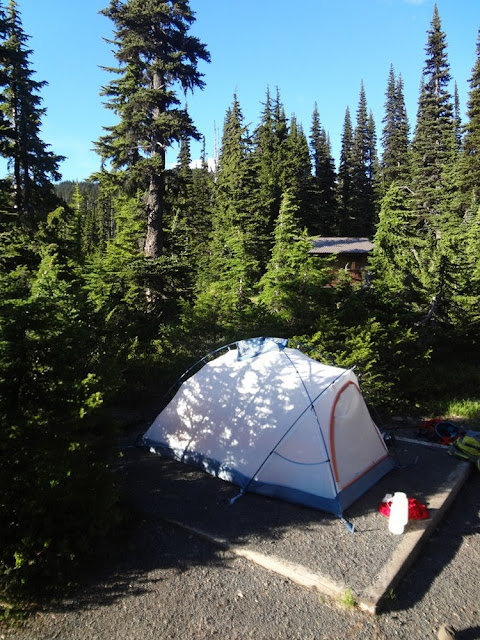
(468, 447)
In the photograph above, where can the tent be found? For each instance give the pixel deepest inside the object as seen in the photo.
(271, 420)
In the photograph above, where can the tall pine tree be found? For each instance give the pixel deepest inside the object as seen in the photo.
(33, 166)
(434, 146)
(294, 287)
(5, 58)
(345, 178)
(268, 148)
(434, 158)
(297, 173)
(470, 157)
(201, 220)
(233, 264)
(155, 54)
(362, 203)
(324, 182)
(395, 262)
(395, 141)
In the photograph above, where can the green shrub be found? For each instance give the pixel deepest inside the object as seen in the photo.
(58, 495)
(387, 360)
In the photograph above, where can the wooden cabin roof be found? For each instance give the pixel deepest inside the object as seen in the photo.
(328, 246)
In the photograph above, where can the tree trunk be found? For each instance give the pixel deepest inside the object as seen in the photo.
(154, 199)
(154, 206)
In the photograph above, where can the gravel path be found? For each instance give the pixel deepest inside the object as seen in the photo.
(169, 584)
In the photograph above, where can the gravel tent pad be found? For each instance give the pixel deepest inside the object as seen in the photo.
(307, 546)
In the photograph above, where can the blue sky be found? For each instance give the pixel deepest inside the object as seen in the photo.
(314, 51)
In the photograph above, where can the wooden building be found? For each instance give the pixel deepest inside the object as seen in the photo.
(351, 254)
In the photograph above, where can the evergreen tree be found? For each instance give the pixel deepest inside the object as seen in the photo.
(420, 279)
(470, 157)
(6, 213)
(403, 130)
(93, 237)
(457, 118)
(446, 265)
(325, 203)
(189, 226)
(280, 121)
(5, 58)
(33, 166)
(395, 142)
(116, 277)
(155, 54)
(395, 261)
(297, 174)
(434, 162)
(237, 223)
(236, 182)
(293, 288)
(434, 146)
(362, 202)
(268, 150)
(202, 198)
(226, 300)
(469, 316)
(179, 237)
(73, 220)
(345, 178)
(373, 169)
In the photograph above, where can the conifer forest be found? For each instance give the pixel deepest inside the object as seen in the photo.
(112, 287)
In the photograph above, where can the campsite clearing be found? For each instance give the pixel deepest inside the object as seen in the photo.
(277, 423)
(165, 581)
(310, 547)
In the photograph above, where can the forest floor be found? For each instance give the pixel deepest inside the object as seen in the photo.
(182, 572)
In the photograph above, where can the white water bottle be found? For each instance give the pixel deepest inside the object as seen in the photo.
(398, 513)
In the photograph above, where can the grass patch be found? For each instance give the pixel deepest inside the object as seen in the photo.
(390, 594)
(468, 409)
(348, 599)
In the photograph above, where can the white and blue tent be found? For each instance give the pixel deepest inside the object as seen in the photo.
(271, 420)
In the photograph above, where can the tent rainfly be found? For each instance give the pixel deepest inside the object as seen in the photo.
(273, 421)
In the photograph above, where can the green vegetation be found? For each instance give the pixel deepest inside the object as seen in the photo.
(468, 409)
(348, 599)
(111, 288)
(390, 594)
